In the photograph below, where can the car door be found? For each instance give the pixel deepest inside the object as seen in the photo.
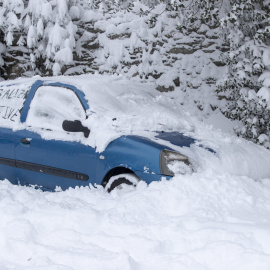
(46, 155)
(12, 97)
(7, 155)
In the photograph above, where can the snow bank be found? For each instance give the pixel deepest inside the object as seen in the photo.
(195, 222)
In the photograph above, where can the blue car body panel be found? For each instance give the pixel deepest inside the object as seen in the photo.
(135, 153)
(176, 138)
(7, 155)
(62, 156)
(51, 163)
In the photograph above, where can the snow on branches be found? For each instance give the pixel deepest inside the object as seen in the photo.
(51, 35)
(245, 86)
(45, 27)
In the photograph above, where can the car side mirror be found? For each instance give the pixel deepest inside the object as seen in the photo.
(75, 126)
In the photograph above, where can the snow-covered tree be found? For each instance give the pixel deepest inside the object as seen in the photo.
(51, 33)
(247, 30)
(10, 18)
(193, 13)
(11, 28)
(44, 27)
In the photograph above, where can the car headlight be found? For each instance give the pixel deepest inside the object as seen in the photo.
(167, 157)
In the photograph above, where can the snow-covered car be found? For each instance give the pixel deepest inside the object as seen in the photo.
(46, 139)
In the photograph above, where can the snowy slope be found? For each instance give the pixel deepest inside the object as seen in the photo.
(216, 218)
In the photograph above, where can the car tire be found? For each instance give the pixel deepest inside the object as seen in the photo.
(121, 180)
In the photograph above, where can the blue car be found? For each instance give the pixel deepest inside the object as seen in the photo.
(42, 142)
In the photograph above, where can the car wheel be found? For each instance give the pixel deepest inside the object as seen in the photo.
(121, 181)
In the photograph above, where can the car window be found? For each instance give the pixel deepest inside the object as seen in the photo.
(52, 105)
(12, 98)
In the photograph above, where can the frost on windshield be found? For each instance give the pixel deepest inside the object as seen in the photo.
(51, 106)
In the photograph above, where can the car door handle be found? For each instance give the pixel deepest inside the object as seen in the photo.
(25, 140)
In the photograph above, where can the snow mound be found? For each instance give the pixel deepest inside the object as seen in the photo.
(194, 222)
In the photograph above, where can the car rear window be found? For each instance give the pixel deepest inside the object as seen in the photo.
(12, 98)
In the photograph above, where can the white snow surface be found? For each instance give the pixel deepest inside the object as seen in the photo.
(213, 219)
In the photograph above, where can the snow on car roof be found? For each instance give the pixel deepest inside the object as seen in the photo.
(118, 106)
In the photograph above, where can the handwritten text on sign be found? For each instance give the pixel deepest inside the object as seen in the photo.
(11, 101)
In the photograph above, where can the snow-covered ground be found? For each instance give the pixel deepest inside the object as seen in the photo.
(216, 218)
(196, 222)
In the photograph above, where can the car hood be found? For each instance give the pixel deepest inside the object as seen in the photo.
(179, 139)
(176, 138)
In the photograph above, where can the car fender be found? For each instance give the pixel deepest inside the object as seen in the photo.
(135, 153)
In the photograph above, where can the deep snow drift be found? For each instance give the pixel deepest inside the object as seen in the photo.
(216, 218)
(198, 222)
